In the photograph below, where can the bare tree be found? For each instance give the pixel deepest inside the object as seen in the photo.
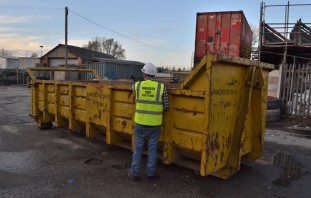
(255, 37)
(94, 44)
(114, 48)
(34, 55)
(4, 52)
(107, 46)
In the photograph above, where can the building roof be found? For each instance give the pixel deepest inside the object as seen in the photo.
(10, 57)
(29, 58)
(120, 61)
(84, 53)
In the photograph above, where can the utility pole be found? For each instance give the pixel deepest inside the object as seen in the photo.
(66, 33)
(41, 49)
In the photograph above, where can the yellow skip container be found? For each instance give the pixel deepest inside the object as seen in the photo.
(216, 117)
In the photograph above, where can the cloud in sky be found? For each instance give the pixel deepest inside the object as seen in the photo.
(165, 35)
(16, 19)
(22, 33)
(7, 29)
(8, 35)
(75, 42)
(15, 42)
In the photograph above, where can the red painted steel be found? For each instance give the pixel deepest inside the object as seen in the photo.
(222, 33)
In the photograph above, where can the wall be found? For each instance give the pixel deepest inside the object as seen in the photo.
(274, 85)
(12, 63)
(25, 62)
(9, 62)
(2, 63)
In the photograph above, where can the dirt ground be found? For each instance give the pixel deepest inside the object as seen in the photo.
(57, 163)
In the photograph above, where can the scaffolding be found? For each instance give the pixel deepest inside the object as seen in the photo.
(284, 36)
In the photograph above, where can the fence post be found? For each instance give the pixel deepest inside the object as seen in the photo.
(283, 81)
(309, 92)
(297, 90)
(305, 73)
(278, 94)
(293, 79)
(286, 80)
(301, 90)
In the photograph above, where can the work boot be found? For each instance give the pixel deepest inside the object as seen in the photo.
(154, 177)
(133, 178)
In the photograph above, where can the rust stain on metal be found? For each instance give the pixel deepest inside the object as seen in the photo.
(208, 137)
(228, 142)
(98, 85)
(242, 146)
(123, 125)
(65, 92)
(222, 155)
(214, 144)
(260, 141)
(216, 160)
(232, 83)
(129, 94)
(99, 114)
(213, 147)
(98, 88)
(192, 144)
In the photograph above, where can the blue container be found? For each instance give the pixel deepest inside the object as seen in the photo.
(114, 69)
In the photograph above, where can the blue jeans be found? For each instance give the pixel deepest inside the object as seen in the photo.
(142, 132)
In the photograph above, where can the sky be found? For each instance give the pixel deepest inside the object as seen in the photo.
(157, 31)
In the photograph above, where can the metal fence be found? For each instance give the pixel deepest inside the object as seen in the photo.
(116, 69)
(295, 89)
(13, 77)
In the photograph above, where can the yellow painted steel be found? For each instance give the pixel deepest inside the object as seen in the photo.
(216, 117)
(33, 77)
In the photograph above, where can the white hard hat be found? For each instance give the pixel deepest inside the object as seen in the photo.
(149, 69)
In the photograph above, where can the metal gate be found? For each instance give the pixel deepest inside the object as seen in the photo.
(13, 77)
(295, 89)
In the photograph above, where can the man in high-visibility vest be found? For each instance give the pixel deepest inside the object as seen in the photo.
(151, 100)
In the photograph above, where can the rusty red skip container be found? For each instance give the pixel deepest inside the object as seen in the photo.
(222, 33)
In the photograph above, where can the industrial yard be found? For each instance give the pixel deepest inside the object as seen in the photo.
(236, 123)
(57, 163)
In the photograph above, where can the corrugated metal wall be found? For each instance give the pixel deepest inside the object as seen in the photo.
(116, 69)
(222, 33)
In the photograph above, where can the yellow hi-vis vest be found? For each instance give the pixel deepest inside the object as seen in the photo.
(149, 106)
